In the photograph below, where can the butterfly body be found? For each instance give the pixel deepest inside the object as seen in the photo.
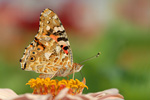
(50, 53)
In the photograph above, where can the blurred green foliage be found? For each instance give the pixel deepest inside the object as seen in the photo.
(123, 64)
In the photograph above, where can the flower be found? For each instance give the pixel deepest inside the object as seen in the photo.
(50, 89)
(110, 94)
(53, 87)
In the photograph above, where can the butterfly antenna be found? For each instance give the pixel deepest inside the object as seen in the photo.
(91, 58)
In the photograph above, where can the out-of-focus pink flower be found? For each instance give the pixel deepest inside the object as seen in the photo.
(110, 94)
(14, 16)
(16, 23)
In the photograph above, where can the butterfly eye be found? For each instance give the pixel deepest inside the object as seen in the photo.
(32, 58)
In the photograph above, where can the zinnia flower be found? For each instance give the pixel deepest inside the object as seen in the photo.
(47, 89)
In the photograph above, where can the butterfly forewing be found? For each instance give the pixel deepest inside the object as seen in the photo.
(51, 26)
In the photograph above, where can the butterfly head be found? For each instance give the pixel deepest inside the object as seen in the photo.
(77, 67)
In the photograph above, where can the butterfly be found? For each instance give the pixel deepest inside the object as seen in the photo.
(50, 53)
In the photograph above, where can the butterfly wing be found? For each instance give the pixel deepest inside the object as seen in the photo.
(51, 26)
(50, 51)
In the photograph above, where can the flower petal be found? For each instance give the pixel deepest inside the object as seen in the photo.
(29, 96)
(62, 93)
(110, 94)
(7, 93)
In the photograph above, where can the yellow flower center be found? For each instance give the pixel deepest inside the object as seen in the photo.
(46, 86)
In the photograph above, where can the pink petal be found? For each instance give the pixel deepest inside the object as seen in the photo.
(62, 93)
(105, 92)
(7, 93)
(110, 94)
(29, 96)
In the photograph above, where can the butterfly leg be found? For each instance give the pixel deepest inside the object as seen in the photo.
(55, 74)
(67, 77)
(54, 77)
(73, 73)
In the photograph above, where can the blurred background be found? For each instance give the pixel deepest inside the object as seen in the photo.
(119, 29)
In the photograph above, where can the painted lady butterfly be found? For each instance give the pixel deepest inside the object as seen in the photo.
(50, 53)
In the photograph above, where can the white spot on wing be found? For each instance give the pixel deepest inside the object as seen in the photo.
(68, 43)
(48, 22)
(47, 54)
(57, 29)
(47, 28)
(47, 38)
(63, 43)
(54, 16)
(66, 66)
(62, 27)
(46, 44)
(58, 49)
(46, 13)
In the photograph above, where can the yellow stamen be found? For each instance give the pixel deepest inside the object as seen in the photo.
(46, 86)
